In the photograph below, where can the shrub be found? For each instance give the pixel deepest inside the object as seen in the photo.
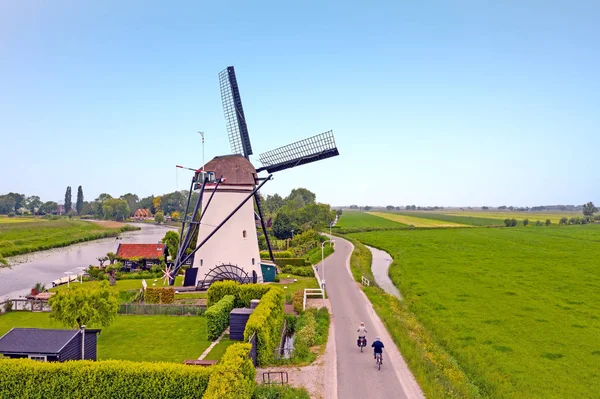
(305, 271)
(312, 328)
(562, 221)
(8, 306)
(266, 321)
(298, 301)
(539, 223)
(548, 222)
(288, 298)
(525, 222)
(11, 215)
(159, 295)
(95, 272)
(507, 222)
(276, 279)
(233, 377)
(25, 378)
(243, 293)
(217, 316)
(276, 254)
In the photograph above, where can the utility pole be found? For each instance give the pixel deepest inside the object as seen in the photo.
(202, 134)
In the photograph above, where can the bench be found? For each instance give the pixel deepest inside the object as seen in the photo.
(204, 363)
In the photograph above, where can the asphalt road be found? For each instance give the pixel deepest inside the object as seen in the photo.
(357, 374)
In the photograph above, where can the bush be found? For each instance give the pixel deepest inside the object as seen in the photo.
(266, 321)
(25, 378)
(298, 301)
(233, 377)
(95, 273)
(8, 306)
(513, 222)
(305, 271)
(276, 279)
(276, 254)
(159, 295)
(507, 222)
(288, 298)
(243, 293)
(548, 222)
(217, 317)
(11, 215)
(525, 222)
(562, 221)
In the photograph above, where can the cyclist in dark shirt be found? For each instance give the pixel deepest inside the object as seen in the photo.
(377, 346)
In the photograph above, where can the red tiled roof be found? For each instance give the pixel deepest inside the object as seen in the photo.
(146, 251)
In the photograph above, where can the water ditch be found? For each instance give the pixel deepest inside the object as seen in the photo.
(380, 266)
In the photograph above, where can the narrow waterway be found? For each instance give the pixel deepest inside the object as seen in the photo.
(46, 266)
(380, 266)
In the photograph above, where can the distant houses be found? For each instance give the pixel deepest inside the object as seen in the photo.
(142, 214)
(46, 345)
(141, 256)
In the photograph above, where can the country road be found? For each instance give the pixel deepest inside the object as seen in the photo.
(357, 374)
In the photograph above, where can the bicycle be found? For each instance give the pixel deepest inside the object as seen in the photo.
(378, 360)
(362, 342)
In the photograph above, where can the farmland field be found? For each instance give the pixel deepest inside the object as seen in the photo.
(135, 338)
(518, 308)
(458, 218)
(29, 235)
(532, 216)
(415, 220)
(352, 219)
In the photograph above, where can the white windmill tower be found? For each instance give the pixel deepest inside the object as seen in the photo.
(222, 224)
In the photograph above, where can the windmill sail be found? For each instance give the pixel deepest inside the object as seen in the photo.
(237, 129)
(305, 151)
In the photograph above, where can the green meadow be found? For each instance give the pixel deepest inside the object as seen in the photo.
(353, 219)
(460, 219)
(517, 308)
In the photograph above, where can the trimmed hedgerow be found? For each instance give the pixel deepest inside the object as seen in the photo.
(290, 261)
(298, 301)
(267, 321)
(234, 376)
(217, 316)
(243, 293)
(29, 379)
(276, 254)
(159, 295)
(303, 271)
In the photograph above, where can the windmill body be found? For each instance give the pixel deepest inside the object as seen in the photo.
(236, 242)
(223, 218)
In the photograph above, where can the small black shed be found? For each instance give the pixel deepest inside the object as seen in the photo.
(49, 345)
(237, 323)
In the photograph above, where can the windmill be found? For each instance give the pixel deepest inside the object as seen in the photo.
(219, 240)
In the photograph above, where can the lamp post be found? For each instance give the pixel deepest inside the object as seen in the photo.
(68, 279)
(292, 234)
(323, 260)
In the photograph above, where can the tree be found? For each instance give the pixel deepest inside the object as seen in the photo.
(102, 259)
(390, 207)
(525, 222)
(563, 221)
(353, 206)
(107, 211)
(339, 212)
(548, 222)
(122, 210)
(175, 216)
(171, 241)
(68, 198)
(79, 203)
(132, 201)
(156, 201)
(112, 270)
(589, 209)
(513, 222)
(48, 207)
(367, 208)
(507, 222)
(159, 217)
(485, 208)
(33, 203)
(112, 257)
(284, 223)
(307, 196)
(80, 306)
(273, 203)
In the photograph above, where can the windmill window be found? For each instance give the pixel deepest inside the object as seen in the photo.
(252, 261)
(201, 262)
(244, 233)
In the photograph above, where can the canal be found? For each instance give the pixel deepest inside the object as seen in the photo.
(46, 266)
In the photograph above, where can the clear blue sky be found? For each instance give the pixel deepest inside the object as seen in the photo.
(435, 103)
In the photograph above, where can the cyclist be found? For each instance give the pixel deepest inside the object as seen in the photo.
(362, 332)
(377, 346)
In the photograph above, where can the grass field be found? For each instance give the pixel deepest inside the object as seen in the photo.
(352, 219)
(460, 219)
(518, 309)
(136, 338)
(219, 349)
(414, 220)
(30, 235)
(532, 216)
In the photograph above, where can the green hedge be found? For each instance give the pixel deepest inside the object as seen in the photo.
(303, 271)
(290, 261)
(217, 316)
(267, 321)
(243, 293)
(298, 301)
(234, 376)
(159, 295)
(276, 254)
(29, 379)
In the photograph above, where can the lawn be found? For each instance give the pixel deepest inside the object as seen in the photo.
(532, 216)
(415, 220)
(460, 219)
(302, 283)
(219, 349)
(30, 235)
(136, 338)
(517, 308)
(7, 220)
(353, 219)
